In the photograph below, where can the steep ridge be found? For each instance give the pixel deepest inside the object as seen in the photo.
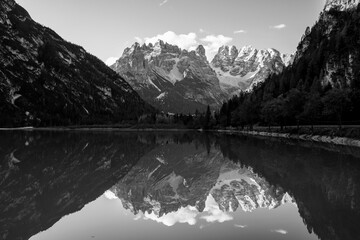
(177, 80)
(45, 80)
(243, 69)
(169, 78)
(340, 4)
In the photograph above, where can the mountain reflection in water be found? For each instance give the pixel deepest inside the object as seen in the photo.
(263, 188)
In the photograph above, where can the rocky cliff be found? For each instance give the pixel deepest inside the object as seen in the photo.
(177, 80)
(169, 78)
(243, 69)
(341, 4)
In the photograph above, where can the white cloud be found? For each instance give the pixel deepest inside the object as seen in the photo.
(184, 41)
(183, 215)
(239, 226)
(190, 41)
(111, 60)
(280, 26)
(281, 231)
(215, 214)
(239, 31)
(139, 40)
(110, 195)
(163, 2)
(213, 43)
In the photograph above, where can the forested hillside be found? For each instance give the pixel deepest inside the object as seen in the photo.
(322, 86)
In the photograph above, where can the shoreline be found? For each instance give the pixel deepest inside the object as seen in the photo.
(341, 141)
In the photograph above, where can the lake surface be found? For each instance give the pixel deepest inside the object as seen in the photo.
(175, 185)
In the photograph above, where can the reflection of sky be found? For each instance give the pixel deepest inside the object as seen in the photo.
(105, 218)
(189, 215)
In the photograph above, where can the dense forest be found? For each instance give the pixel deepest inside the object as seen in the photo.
(322, 86)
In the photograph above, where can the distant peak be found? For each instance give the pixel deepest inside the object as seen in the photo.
(341, 5)
(159, 42)
(200, 50)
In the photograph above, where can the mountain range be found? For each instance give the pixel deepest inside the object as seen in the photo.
(47, 81)
(177, 80)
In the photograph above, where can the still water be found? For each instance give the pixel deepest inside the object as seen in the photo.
(185, 185)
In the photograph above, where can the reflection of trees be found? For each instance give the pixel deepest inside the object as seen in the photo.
(325, 185)
(57, 174)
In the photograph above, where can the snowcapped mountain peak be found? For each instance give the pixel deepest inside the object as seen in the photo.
(246, 49)
(160, 68)
(154, 69)
(341, 5)
(241, 70)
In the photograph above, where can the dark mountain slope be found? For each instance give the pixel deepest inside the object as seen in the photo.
(323, 84)
(45, 80)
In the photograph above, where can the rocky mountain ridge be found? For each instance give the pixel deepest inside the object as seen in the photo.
(243, 69)
(169, 77)
(341, 4)
(172, 79)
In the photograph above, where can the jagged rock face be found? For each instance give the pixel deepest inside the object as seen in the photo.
(46, 80)
(341, 4)
(164, 182)
(169, 78)
(242, 69)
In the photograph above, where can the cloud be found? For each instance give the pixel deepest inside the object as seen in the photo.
(111, 60)
(183, 215)
(110, 195)
(280, 26)
(184, 41)
(215, 214)
(239, 226)
(281, 231)
(163, 2)
(212, 44)
(139, 40)
(190, 41)
(239, 31)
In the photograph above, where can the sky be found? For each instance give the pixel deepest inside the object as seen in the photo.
(106, 27)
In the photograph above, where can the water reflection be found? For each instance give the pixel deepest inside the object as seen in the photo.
(256, 185)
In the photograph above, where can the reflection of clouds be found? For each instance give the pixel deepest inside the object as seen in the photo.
(281, 231)
(183, 215)
(215, 214)
(239, 226)
(110, 195)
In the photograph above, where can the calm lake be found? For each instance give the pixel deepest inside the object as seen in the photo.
(175, 185)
